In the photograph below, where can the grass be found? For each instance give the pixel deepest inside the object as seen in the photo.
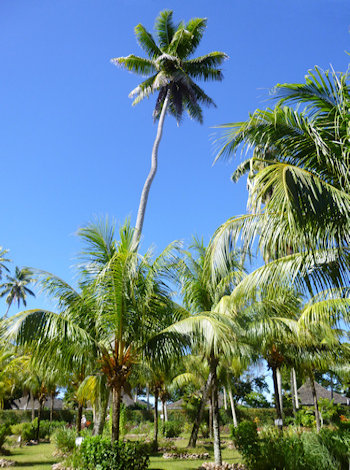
(40, 457)
(158, 463)
(35, 457)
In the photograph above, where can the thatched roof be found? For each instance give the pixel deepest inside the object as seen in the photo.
(25, 403)
(305, 394)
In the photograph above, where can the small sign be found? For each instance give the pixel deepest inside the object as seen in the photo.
(78, 441)
(278, 422)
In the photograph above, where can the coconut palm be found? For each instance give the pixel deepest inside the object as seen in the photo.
(16, 287)
(171, 70)
(203, 286)
(119, 314)
(301, 162)
(3, 260)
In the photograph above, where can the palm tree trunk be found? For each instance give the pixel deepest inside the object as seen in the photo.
(165, 411)
(216, 418)
(163, 418)
(314, 396)
(79, 417)
(197, 422)
(233, 408)
(292, 391)
(211, 415)
(279, 382)
(277, 400)
(39, 419)
(116, 400)
(225, 399)
(51, 407)
(151, 175)
(155, 437)
(100, 416)
(295, 389)
(33, 409)
(147, 397)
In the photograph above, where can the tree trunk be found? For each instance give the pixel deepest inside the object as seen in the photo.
(211, 401)
(279, 382)
(163, 417)
(155, 437)
(51, 407)
(100, 416)
(292, 391)
(39, 419)
(277, 401)
(116, 400)
(165, 411)
(33, 409)
(314, 396)
(147, 397)
(295, 389)
(79, 417)
(225, 399)
(151, 175)
(194, 434)
(216, 417)
(135, 396)
(233, 408)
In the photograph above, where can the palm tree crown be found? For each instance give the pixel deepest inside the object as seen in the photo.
(169, 68)
(16, 287)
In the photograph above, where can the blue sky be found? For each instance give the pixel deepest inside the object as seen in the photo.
(71, 145)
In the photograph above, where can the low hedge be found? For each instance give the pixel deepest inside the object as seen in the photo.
(22, 416)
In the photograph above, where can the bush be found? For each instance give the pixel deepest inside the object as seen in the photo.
(305, 417)
(64, 439)
(172, 428)
(100, 454)
(26, 431)
(246, 440)
(5, 430)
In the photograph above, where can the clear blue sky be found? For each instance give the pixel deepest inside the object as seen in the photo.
(71, 145)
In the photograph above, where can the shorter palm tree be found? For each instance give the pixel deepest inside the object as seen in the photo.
(16, 287)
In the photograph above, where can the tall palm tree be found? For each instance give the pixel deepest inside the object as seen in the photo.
(203, 286)
(118, 316)
(16, 287)
(171, 72)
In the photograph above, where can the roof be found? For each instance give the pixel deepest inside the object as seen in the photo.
(306, 398)
(25, 403)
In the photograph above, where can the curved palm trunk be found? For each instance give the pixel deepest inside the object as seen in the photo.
(51, 407)
(151, 175)
(33, 409)
(211, 408)
(194, 434)
(163, 417)
(155, 437)
(314, 396)
(116, 400)
(100, 416)
(216, 420)
(233, 408)
(279, 382)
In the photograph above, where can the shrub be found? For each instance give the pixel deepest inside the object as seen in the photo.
(100, 454)
(305, 417)
(26, 431)
(64, 439)
(172, 428)
(5, 430)
(246, 440)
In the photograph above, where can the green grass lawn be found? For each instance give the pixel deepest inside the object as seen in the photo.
(40, 457)
(158, 463)
(35, 457)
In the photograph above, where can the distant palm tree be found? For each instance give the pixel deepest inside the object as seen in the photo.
(3, 260)
(170, 72)
(16, 287)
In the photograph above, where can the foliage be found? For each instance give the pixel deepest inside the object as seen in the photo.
(256, 400)
(246, 440)
(328, 409)
(305, 417)
(64, 439)
(25, 430)
(172, 428)
(100, 454)
(5, 430)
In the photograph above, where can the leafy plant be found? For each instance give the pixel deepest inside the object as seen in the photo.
(5, 430)
(246, 440)
(172, 428)
(64, 439)
(100, 454)
(25, 430)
